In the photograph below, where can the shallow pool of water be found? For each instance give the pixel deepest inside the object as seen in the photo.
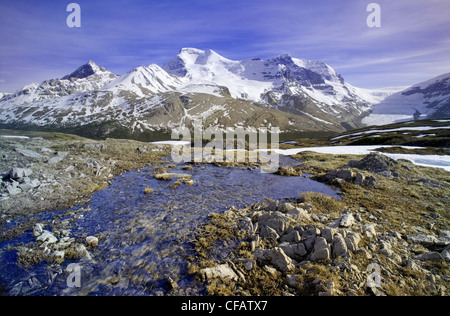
(147, 237)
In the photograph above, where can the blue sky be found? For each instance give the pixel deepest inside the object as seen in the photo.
(412, 45)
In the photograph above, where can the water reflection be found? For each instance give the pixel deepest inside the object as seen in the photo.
(146, 237)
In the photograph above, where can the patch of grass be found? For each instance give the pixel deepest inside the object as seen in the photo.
(148, 190)
(323, 202)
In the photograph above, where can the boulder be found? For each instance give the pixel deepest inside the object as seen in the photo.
(37, 230)
(375, 163)
(13, 189)
(370, 181)
(359, 179)
(291, 237)
(294, 251)
(277, 221)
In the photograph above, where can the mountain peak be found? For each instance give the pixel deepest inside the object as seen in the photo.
(88, 69)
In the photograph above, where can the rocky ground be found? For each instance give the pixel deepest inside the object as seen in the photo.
(51, 171)
(389, 235)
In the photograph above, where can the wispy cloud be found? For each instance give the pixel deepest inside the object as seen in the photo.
(35, 43)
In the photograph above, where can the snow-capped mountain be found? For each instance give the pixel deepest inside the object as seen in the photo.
(290, 93)
(428, 99)
(294, 85)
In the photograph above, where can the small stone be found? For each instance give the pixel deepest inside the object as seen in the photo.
(16, 173)
(359, 179)
(299, 214)
(37, 230)
(347, 220)
(369, 230)
(339, 246)
(430, 256)
(346, 175)
(281, 261)
(269, 233)
(47, 237)
(321, 254)
(58, 256)
(223, 272)
(92, 241)
(171, 284)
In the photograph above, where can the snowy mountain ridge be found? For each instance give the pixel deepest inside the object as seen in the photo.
(290, 93)
(428, 99)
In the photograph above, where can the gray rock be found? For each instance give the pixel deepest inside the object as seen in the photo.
(278, 221)
(17, 173)
(359, 179)
(246, 225)
(294, 251)
(375, 163)
(328, 234)
(47, 237)
(27, 186)
(269, 233)
(321, 254)
(320, 243)
(352, 241)
(347, 220)
(426, 240)
(58, 256)
(369, 230)
(344, 174)
(82, 252)
(92, 241)
(430, 256)
(370, 181)
(281, 261)
(29, 153)
(339, 246)
(299, 214)
(12, 189)
(293, 280)
(446, 254)
(292, 237)
(37, 230)
(61, 155)
(223, 272)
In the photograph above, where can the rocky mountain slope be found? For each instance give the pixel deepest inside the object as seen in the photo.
(429, 99)
(289, 93)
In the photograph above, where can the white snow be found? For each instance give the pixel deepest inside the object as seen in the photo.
(14, 136)
(417, 128)
(172, 142)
